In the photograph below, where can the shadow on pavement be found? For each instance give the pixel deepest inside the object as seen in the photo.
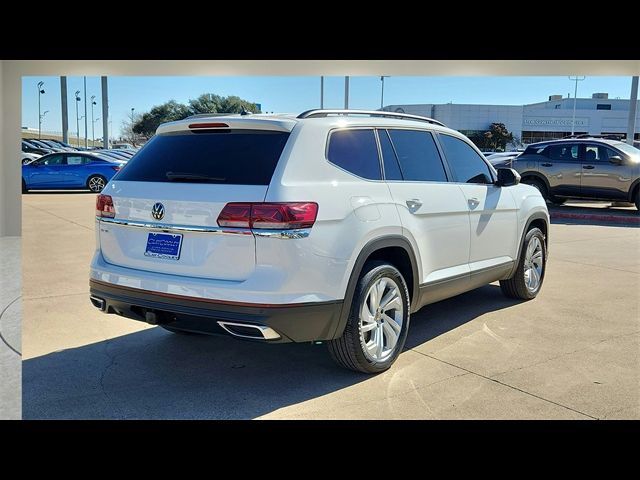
(157, 374)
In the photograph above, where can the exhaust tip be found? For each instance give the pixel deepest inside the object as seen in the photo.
(248, 330)
(97, 302)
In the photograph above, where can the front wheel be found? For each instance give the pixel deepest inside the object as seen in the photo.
(538, 185)
(96, 183)
(377, 326)
(527, 280)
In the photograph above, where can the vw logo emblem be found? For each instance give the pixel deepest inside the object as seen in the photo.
(157, 211)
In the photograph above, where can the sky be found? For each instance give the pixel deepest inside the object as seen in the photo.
(293, 94)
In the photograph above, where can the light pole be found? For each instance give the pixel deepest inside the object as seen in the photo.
(321, 92)
(77, 118)
(40, 92)
(93, 123)
(93, 132)
(86, 142)
(41, 120)
(132, 110)
(575, 98)
(382, 77)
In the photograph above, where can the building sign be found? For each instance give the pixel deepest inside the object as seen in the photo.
(555, 122)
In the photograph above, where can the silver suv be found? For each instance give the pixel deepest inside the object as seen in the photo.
(592, 168)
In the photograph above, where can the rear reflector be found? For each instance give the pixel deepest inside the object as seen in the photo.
(104, 206)
(269, 216)
(208, 125)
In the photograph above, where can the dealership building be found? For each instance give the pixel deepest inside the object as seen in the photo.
(537, 121)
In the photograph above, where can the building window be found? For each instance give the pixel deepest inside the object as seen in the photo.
(557, 107)
(529, 137)
(603, 106)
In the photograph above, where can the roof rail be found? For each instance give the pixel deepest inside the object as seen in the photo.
(316, 113)
(608, 136)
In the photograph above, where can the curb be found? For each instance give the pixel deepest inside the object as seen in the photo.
(633, 220)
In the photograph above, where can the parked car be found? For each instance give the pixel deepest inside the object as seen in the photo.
(29, 157)
(116, 154)
(77, 170)
(584, 168)
(122, 146)
(28, 147)
(330, 226)
(502, 157)
(56, 146)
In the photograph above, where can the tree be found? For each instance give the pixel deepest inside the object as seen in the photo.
(211, 103)
(170, 111)
(498, 136)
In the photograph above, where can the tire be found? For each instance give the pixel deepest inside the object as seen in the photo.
(539, 185)
(96, 183)
(638, 199)
(517, 286)
(557, 200)
(177, 331)
(350, 350)
(24, 186)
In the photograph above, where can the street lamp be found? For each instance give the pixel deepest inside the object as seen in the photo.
(93, 124)
(132, 137)
(40, 92)
(93, 132)
(575, 98)
(41, 120)
(382, 92)
(77, 118)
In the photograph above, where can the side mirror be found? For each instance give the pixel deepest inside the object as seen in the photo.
(507, 177)
(616, 160)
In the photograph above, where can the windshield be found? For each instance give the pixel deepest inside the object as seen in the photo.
(629, 150)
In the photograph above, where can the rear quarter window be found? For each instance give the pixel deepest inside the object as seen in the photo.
(356, 151)
(239, 157)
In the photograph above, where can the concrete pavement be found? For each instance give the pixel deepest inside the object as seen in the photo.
(574, 352)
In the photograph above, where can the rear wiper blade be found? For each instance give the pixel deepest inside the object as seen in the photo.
(192, 177)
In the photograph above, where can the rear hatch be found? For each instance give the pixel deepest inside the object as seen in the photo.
(177, 185)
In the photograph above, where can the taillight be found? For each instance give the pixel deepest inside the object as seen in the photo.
(104, 206)
(269, 216)
(235, 215)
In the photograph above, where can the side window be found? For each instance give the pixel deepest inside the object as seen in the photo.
(53, 160)
(566, 152)
(356, 151)
(418, 155)
(391, 167)
(467, 165)
(606, 153)
(77, 160)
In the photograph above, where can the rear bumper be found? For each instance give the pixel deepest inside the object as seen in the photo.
(273, 323)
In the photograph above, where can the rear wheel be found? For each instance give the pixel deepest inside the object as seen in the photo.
(96, 183)
(527, 280)
(24, 186)
(537, 184)
(378, 321)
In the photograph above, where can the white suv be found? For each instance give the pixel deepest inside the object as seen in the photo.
(330, 226)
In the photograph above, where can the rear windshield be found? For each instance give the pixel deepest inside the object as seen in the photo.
(240, 157)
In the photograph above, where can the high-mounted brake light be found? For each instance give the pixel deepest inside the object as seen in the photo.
(105, 207)
(269, 216)
(208, 125)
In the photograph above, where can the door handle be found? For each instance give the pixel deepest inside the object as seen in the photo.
(588, 167)
(546, 164)
(413, 204)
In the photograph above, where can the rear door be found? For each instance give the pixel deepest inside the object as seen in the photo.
(177, 184)
(492, 209)
(76, 171)
(600, 177)
(562, 168)
(432, 211)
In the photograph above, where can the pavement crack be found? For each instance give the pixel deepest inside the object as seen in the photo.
(31, 297)
(507, 385)
(597, 266)
(61, 218)
(103, 374)
(4, 340)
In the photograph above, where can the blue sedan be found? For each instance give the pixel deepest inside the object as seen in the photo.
(72, 170)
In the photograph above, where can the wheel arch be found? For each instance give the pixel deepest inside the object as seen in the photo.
(537, 176)
(539, 220)
(633, 191)
(394, 249)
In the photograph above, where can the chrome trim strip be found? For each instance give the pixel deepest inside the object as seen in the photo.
(283, 234)
(267, 333)
(175, 228)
